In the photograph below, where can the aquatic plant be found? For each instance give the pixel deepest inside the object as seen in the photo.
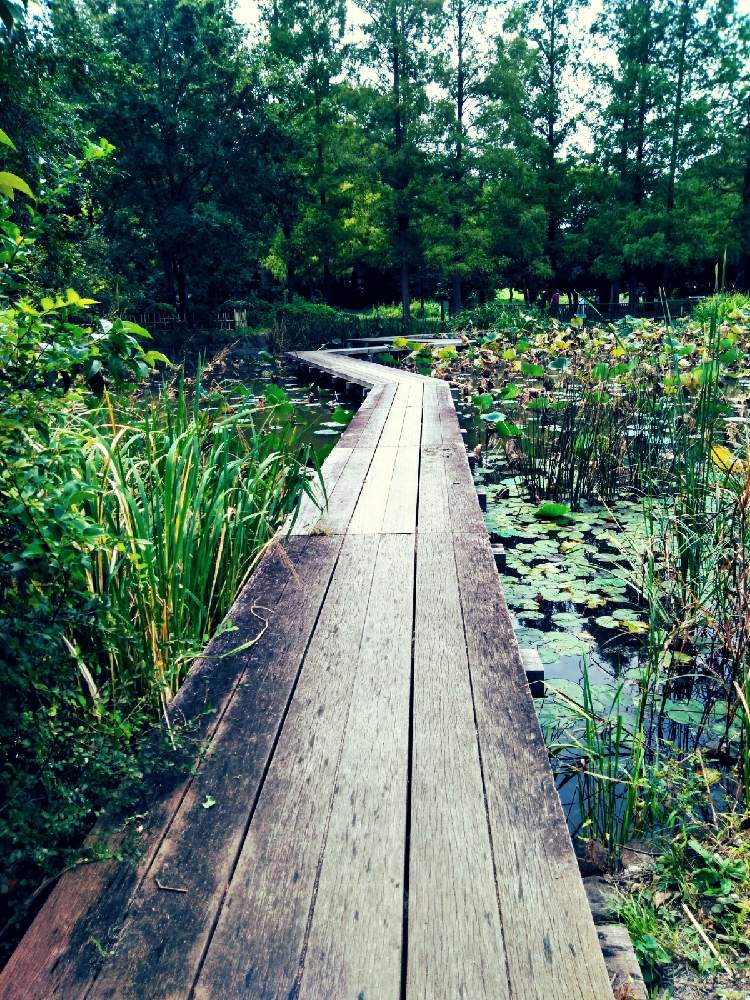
(186, 493)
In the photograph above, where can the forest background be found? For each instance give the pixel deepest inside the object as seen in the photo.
(392, 150)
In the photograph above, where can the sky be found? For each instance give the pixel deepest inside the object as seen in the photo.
(247, 11)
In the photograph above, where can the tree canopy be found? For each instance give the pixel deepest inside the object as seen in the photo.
(386, 151)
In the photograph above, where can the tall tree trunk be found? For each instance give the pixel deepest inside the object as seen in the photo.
(677, 120)
(743, 273)
(402, 216)
(458, 176)
(639, 186)
(182, 299)
(675, 140)
(403, 252)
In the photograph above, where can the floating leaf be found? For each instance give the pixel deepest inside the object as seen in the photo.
(532, 370)
(552, 511)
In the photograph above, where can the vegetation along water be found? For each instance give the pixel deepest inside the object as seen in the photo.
(564, 186)
(615, 460)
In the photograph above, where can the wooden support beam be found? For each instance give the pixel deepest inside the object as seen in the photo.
(532, 664)
(498, 551)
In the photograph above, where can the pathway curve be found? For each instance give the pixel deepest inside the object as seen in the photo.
(374, 817)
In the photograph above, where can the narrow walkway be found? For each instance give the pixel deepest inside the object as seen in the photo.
(374, 817)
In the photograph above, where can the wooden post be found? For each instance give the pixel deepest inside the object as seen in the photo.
(498, 552)
(534, 668)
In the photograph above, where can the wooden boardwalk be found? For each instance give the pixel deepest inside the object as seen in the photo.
(374, 817)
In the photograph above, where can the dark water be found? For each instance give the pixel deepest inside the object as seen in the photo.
(574, 595)
(249, 366)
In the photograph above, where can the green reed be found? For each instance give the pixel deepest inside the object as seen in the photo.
(188, 487)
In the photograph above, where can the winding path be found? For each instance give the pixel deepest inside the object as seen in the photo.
(374, 817)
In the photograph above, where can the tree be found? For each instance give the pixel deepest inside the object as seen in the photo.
(200, 164)
(398, 32)
(306, 58)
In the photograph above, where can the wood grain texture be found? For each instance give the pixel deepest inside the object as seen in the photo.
(401, 508)
(455, 935)
(385, 822)
(159, 951)
(354, 947)
(257, 949)
(61, 953)
(342, 499)
(550, 940)
(370, 510)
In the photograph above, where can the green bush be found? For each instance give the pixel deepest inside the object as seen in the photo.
(721, 307)
(493, 315)
(128, 521)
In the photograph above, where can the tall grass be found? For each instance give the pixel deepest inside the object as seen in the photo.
(188, 487)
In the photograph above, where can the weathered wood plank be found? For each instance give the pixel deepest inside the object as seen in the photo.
(61, 952)
(370, 510)
(411, 429)
(401, 509)
(455, 939)
(311, 507)
(551, 945)
(342, 499)
(434, 512)
(161, 946)
(295, 876)
(391, 436)
(354, 947)
(431, 429)
(258, 946)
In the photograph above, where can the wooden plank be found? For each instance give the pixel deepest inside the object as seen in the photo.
(551, 945)
(162, 943)
(401, 509)
(354, 947)
(62, 951)
(257, 948)
(434, 512)
(431, 429)
(416, 390)
(311, 507)
(463, 502)
(411, 429)
(361, 419)
(455, 940)
(370, 436)
(391, 436)
(370, 510)
(342, 499)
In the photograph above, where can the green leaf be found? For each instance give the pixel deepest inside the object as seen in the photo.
(5, 140)
(533, 371)
(208, 802)
(482, 401)
(9, 183)
(506, 429)
(552, 511)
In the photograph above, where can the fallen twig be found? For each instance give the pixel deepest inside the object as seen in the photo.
(709, 944)
(168, 888)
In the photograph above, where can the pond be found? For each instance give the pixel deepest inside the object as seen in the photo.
(574, 588)
(320, 414)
